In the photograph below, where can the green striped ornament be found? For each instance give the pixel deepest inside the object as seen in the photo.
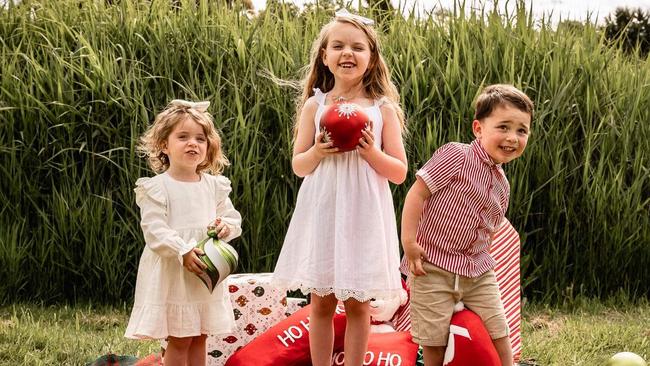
(220, 257)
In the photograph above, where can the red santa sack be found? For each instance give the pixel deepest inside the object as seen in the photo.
(469, 342)
(286, 343)
(386, 349)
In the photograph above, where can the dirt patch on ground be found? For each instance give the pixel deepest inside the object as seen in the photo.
(7, 323)
(553, 325)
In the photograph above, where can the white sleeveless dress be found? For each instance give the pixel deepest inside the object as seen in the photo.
(342, 238)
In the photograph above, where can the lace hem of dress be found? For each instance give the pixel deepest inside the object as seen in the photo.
(341, 294)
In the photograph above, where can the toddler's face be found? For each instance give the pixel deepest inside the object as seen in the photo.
(186, 145)
(347, 54)
(504, 133)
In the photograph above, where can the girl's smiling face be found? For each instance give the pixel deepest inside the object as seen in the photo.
(347, 54)
(504, 133)
(186, 147)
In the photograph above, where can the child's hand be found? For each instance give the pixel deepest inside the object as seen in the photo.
(191, 261)
(367, 141)
(221, 228)
(415, 254)
(324, 146)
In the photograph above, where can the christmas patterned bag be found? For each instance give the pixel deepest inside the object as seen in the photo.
(294, 304)
(257, 306)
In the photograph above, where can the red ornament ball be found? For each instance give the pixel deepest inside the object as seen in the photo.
(343, 123)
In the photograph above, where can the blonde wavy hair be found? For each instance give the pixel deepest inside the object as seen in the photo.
(154, 139)
(376, 80)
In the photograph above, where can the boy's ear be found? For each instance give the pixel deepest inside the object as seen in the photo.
(476, 128)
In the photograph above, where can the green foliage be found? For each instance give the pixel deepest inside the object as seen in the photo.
(571, 26)
(81, 80)
(631, 27)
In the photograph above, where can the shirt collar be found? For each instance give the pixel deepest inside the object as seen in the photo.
(481, 153)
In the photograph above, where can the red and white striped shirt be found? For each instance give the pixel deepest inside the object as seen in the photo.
(469, 199)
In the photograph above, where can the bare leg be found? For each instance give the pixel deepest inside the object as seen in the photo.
(177, 350)
(433, 356)
(504, 349)
(356, 331)
(197, 352)
(321, 329)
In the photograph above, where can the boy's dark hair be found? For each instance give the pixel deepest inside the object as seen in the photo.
(495, 95)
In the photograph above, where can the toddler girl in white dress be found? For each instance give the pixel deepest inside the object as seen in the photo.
(176, 207)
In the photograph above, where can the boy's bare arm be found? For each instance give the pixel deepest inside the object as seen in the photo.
(411, 214)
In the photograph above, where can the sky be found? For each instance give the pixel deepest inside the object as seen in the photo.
(566, 9)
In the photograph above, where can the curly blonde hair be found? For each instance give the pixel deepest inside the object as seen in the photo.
(376, 80)
(154, 139)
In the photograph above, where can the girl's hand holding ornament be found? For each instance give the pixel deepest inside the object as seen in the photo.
(367, 141)
(191, 261)
(220, 228)
(323, 145)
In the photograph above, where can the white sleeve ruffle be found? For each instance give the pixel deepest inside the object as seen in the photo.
(151, 197)
(225, 209)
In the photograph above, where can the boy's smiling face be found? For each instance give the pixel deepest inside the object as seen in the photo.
(504, 133)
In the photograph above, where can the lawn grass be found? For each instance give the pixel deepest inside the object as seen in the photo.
(588, 333)
(61, 335)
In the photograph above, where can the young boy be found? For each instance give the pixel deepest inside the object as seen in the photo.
(451, 212)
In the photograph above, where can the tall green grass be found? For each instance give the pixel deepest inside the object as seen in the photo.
(81, 80)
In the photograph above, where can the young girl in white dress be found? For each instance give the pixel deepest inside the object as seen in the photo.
(176, 207)
(342, 241)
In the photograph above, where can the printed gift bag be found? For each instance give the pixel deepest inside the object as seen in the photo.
(294, 304)
(257, 306)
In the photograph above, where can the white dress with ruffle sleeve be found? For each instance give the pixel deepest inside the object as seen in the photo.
(169, 300)
(342, 238)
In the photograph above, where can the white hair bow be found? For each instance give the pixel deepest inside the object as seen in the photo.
(198, 106)
(345, 14)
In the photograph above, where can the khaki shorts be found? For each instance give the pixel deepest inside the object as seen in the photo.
(434, 295)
